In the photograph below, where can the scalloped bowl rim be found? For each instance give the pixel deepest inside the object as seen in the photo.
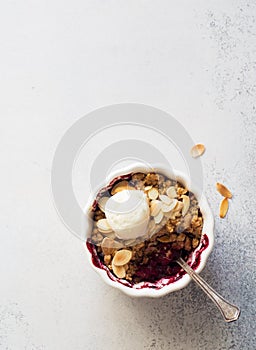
(208, 228)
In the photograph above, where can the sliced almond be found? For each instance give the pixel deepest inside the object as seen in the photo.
(102, 203)
(176, 212)
(119, 271)
(122, 257)
(159, 217)
(147, 188)
(197, 150)
(165, 199)
(108, 246)
(186, 204)
(165, 239)
(167, 208)
(223, 207)
(120, 186)
(153, 193)
(103, 226)
(155, 207)
(171, 192)
(223, 190)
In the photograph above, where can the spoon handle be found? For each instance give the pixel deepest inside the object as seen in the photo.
(229, 312)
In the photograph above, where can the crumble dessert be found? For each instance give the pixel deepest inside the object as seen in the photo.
(172, 226)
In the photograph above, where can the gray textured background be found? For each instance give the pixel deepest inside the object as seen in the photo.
(62, 59)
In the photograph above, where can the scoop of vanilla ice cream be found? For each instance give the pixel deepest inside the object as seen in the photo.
(128, 213)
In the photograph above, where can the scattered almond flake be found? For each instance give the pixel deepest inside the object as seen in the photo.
(165, 199)
(122, 257)
(171, 206)
(186, 204)
(147, 188)
(223, 207)
(155, 207)
(153, 193)
(171, 192)
(104, 226)
(120, 186)
(119, 271)
(159, 217)
(108, 246)
(164, 239)
(223, 190)
(197, 150)
(102, 202)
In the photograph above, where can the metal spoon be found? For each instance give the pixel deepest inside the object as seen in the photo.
(229, 311)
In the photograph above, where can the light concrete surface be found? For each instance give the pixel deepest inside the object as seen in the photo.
(62, 59)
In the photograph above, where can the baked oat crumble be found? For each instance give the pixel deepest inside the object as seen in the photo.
(174, 229)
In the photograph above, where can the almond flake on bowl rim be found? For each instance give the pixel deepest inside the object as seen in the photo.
(197, 150)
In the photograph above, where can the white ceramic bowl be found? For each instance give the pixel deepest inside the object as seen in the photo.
(208, 229)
